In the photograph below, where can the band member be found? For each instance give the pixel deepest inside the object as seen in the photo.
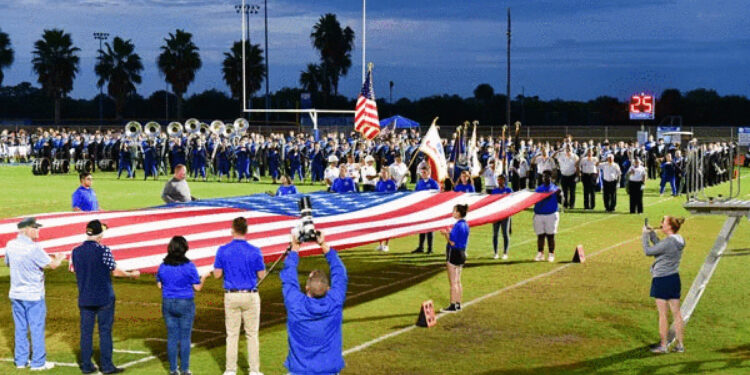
(242, 161)
(273, 158)
(455, 255)
(399, 172)
(589, 176)
(611, 177)
(636, 185)
(668, 174)
(546, 218)
(150, 160)
(199, 158)
(488, 173)
(332, 172)
(569, 171)
(368, 174)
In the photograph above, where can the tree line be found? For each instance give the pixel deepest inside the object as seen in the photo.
(55, 61)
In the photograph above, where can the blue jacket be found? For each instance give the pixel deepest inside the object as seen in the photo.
(314, 324)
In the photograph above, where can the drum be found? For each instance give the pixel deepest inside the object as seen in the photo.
(60, 166)
(106, 165)
(40, 167)
(84, 166)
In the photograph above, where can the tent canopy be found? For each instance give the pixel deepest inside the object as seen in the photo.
(401, 122)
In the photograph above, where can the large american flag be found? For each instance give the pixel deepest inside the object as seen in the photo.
(366, 113)
(138, 238)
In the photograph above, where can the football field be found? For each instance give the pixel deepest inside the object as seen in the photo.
(520, 316)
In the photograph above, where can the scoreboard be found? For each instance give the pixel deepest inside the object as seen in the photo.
(642, 107)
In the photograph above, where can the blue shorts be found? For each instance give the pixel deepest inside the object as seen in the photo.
(666, 287)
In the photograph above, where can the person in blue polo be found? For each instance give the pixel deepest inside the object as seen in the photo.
(84, 198)
(178, 280)
(504, 224)
(464, 183)
(425, 183)
(315, 315)
(455, 255)
(287, 186)
(94, 265)
(546, 217)
(385, 185)
(343, 184)
(241, 265)
(27, 261)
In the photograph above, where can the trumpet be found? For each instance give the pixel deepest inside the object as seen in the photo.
(204, 130)
(192, 125)
(217, 127)
(133, 129)
(174, 129)
(241, 125)
(152, 129)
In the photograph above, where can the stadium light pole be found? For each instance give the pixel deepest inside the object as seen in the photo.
(364, 37)
(246, 9)
(265, 16)
(101, 37)
(507, 99)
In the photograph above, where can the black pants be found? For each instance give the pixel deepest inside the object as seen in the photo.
(515, 181)
(651, 166)
(589, 196)
(422, 237)
(496, 226)
(610, 195)
(636, 197)
(367, 188)
(569, 190)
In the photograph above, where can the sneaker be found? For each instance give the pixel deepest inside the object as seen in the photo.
(539, 257)
(458, 307)
(551, 258)
(188, 372)
(385, 248)
(659, 349)
(379, 248)
(230, 373)
(174, 373)
(450, 309)
(23, 366)
(505, 256)
(679, 348)
(497, 256)
(417, 251)
(46, 366)
(255, 373)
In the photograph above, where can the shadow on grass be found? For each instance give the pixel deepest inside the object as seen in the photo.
(599, 365)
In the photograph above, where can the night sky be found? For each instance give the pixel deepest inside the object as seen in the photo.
(572, 49)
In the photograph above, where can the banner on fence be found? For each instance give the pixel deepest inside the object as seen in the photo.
(743, 136)
(660, 130)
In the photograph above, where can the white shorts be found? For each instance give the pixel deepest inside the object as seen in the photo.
(546, 224)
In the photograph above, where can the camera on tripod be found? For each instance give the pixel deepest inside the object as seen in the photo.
(305, 229)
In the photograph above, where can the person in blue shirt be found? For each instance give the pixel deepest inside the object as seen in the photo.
(84, 198)
(501, 188)
(425, 183)
(455, 254)
(241, 265)
(343, 184)
(94, 267)
(464, 183)
(546, 217)
(274, 160)
(178, 280)
(150, 160)
(287, 186)
(385, 185)
(177, 154)
(199, 157)
(124, 162)
(315, 315)
(668, 175)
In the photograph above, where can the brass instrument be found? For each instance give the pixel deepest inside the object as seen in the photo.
(228, 132)
(152, 129)
(204, 130)
(217, 127)
(192, 125)
(133, 129)
(174, 129)
(241, 125)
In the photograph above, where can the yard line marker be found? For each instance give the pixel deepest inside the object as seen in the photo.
(61, 364)
(130, 351)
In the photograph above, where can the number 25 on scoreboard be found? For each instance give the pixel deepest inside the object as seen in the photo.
(642, 107)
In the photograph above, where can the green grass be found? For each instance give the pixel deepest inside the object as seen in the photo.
(581, 319)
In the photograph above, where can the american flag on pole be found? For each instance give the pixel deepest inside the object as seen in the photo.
(138, 238)
(366, 113)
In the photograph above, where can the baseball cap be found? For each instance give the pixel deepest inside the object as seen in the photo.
(29, 222)
(95, 227)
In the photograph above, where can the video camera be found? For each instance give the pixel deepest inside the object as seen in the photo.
(305, 229)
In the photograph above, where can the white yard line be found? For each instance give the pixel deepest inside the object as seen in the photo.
(130, 351)
(61, 364)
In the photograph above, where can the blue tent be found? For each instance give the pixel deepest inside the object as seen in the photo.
(401, 122)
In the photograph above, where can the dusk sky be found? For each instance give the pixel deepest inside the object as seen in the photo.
(572, 49)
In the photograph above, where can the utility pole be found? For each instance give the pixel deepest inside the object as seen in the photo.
(364, 37)
(101, 37)
(507, 88)
(268, 98)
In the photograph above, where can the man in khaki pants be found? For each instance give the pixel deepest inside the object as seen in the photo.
(242, 266)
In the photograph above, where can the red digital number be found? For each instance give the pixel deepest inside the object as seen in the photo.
(648, 101)
(635, 102)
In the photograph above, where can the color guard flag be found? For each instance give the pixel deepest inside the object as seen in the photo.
(432, 148)
(366, 112)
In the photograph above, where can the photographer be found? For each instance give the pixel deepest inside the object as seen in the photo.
(314, 318)
(665, 285)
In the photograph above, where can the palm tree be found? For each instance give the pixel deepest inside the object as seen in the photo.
(121, 68)
(6, 54)
(311, 79)
(56, 63)
(254, 69)
(178, 61)
(335, 46)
